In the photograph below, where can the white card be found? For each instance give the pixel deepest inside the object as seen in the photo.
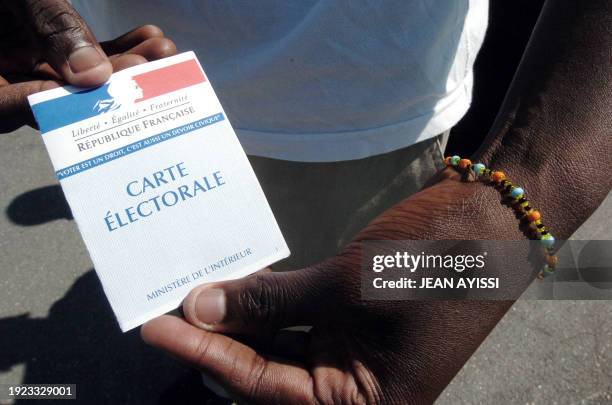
(158, 184)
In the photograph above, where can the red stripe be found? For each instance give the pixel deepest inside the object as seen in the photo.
(169, 78)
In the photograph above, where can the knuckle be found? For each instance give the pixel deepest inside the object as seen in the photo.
(151, 31)
(249, 376)
(56, 21)
(44, 85)
(201, 350)
(64, 37)
(159, 47)
(263, 300)
(254, 378)
(165, 47)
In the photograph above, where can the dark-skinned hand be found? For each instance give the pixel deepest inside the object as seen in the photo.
(45, 44)
(357, 351)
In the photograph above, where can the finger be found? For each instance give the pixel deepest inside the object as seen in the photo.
(235, 366)
(141, 43)
(14, 98)
(124, 61)
(66, 41)
(131, 39)
(260, 301)
(154, 48)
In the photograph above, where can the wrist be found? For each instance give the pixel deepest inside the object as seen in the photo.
(552, 134)
(565, 177)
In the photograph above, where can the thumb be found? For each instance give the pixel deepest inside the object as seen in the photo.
(262, 300)
(66, 41)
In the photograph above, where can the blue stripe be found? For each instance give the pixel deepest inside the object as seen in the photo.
(137, 146)
(68, 109)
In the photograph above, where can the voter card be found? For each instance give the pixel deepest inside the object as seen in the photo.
(159, 186)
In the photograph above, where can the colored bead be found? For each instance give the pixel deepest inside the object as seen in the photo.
(538, 230)
(550, 260)
(464, 163)
(517, 193)
(479, 169)
(536, 224)
(533, 215)
(498, 177)
(548, 240)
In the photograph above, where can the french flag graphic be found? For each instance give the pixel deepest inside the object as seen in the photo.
(120, 91)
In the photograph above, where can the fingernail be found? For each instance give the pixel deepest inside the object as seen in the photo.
(210, 306)
(85, 58)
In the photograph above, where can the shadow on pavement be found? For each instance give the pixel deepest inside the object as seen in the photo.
(81, 343)
(38, 206)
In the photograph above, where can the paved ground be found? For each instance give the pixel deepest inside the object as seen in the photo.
(56, 326)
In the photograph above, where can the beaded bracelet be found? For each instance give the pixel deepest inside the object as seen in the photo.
(520, 204)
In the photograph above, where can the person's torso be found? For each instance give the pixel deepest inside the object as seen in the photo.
(322, 79)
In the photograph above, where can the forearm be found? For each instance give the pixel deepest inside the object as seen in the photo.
(553, 135)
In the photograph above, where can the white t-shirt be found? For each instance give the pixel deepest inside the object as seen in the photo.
(322, 80)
